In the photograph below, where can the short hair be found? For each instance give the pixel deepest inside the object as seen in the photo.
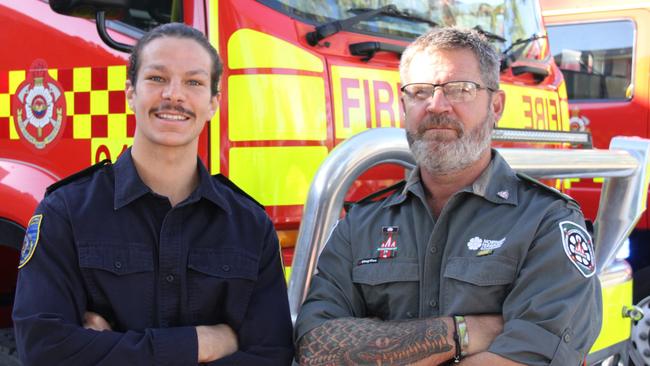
(176, 30)
(454, 39)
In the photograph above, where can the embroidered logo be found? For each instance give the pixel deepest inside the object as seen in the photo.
(477, 243)
(578, 247)
(31, 240)
(388, 247)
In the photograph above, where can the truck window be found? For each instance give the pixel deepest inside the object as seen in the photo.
(511, 20)
(595, 58)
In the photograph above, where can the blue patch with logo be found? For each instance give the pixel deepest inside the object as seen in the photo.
(31, 239)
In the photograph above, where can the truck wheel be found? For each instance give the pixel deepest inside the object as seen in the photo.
(639, 347)
(8, 353)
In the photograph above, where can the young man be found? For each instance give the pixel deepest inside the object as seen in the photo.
(151, 261)
(468, 236)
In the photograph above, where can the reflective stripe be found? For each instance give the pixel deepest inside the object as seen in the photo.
(249, 48)
(615, 328)
(15, 78)
(276, 175)
(81, 126)
(81, 80)
(99, 102)
(364, 98)
(531, 108)
(215, 124)
(299, 113)
(116, 77)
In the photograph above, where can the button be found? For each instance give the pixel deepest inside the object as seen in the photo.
(409, 315)
(567, 338)
(433, 303)
(433, 249)
(170, 278)
(117, 264)
(226, 268)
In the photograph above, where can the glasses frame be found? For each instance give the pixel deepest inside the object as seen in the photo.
(442, 86)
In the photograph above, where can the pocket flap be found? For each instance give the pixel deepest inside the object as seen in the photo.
(386, 271)
(223, 263)
(119, 259)
(482, 271)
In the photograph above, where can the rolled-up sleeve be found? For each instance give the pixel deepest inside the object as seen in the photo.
(332, 293)
(554, 312)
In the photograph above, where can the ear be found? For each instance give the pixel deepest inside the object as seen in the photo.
(214, 104)
(498, 104)
(129, 90)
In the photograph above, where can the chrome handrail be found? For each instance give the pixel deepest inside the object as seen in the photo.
(624, 167)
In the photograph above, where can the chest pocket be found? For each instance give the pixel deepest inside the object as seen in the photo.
(477, 284)
(389, 288)
(220, 283)
(119, 278)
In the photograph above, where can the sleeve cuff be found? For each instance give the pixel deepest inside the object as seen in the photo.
(175, 346)
(530, 344)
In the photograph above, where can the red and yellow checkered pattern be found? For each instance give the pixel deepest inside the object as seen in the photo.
(95, 105)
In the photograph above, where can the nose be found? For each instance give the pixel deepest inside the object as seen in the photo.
(173, 91)
(438, 102)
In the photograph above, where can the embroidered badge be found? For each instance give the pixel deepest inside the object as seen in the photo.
(484, 245)
(578, 247)
(388, 247)
(31, 239)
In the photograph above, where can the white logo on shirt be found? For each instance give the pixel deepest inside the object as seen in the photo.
(476, 243)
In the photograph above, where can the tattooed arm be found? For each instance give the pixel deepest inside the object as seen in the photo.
(363, 341)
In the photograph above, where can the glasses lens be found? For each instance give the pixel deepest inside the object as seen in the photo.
(418, 91)
(460, 91)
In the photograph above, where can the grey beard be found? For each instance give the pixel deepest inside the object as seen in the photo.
(444, 157)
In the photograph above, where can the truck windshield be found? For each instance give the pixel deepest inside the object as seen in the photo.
(511, 20)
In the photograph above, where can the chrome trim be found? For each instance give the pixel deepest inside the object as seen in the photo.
(514, 135)
(623, 199)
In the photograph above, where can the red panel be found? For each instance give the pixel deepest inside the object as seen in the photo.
(65, 79)
(68, 131)
(82, 103)
(116, 101)
(99, 126)
(4, 127)
(130, 125)
(98, 78)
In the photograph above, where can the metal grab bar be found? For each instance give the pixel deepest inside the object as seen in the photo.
(624, 167)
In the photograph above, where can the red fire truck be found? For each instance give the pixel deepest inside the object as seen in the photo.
(299, 77)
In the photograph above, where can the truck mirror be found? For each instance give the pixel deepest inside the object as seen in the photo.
(114, 9)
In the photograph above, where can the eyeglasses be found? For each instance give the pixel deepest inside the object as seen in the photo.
(454, 91)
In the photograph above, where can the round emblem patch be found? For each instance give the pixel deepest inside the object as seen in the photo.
(578, 247)
(31, 239)
(38, 108)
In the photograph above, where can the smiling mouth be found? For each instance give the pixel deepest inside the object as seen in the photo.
(171, 117)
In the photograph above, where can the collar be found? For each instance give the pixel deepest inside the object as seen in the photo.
(129, 186)
(498, 184)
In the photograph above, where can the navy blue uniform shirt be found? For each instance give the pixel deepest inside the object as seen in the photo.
(106, 243)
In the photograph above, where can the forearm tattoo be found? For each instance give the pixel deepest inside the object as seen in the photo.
(354, 341)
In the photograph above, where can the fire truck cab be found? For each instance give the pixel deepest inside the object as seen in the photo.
(299, 78)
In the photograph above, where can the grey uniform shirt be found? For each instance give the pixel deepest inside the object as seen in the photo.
(497, 247)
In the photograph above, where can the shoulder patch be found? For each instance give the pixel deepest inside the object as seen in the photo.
(31, 240)
(82, 173)
(579, 247)
(535, 183)
(223, 179)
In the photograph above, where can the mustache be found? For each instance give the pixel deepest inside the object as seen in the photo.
(169, 107)
(438, 121)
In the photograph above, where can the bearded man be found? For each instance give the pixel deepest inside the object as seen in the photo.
(468, 262)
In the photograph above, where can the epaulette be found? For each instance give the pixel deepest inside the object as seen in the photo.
(535, 183)
(223, 179)
(80, 174)
(375, 195)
